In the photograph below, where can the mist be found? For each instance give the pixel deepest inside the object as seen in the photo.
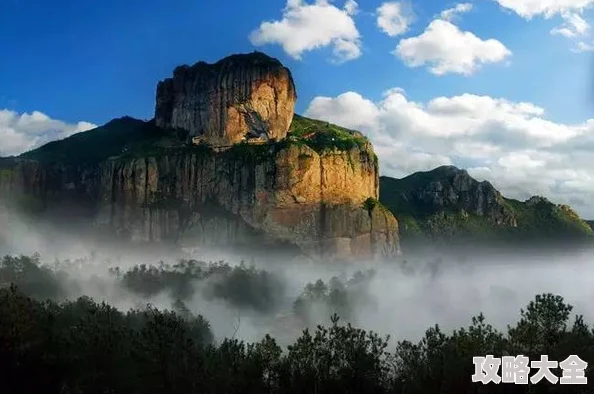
(401, 298)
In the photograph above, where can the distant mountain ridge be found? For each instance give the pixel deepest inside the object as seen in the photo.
(447, 205)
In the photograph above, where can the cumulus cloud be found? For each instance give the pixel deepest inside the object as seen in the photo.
(394, 18)
(511, 144)
(305, 27)
(571, 12)
(22, 132)
(547, 8)
(447, 49)
(450, 13)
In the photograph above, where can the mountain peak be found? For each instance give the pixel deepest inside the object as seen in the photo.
(241, 60)
(448, 168)
(239, 97)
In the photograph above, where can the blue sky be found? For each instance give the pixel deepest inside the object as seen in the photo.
(89, 62)
(99, 60)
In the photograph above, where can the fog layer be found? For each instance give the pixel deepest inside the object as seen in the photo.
(400, 298)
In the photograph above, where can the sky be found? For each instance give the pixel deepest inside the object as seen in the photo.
(502, 88)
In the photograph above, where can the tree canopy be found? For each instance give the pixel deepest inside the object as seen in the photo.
(81, 346)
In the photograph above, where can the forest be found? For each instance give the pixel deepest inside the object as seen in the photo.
(51, 343)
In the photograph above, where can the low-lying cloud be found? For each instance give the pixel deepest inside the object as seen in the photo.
(402, 298)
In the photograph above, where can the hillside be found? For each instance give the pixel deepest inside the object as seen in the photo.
(448, 205)
(127, 137)
(119, 137)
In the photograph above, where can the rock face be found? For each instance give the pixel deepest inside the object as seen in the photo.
(238, 96)
(293, 195)
(17, 176)
(290, 195)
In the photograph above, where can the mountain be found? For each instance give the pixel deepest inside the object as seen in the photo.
(590, 223)
(225, 163)
(448, 205)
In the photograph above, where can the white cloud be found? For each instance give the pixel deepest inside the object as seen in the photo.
(351, 7)
(547, 8)
(23, 132)
(574, 26)
(451, 13)
(394, 18)
(511, 144)
(446, 49)
(350, 109)
(571, 12)
(305, 27)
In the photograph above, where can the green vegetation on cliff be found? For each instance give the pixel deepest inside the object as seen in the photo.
(539, 215)
(250, 153)
(322, 136)
(371, 203)
(132, 138)
(446, 204)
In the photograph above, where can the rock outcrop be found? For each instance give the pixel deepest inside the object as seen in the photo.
(245, 197)
(249, 95)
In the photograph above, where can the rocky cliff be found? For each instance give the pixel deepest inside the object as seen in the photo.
(311, 186)
(237, 97)
(248, 196)
(447, 204)
(291, 194)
